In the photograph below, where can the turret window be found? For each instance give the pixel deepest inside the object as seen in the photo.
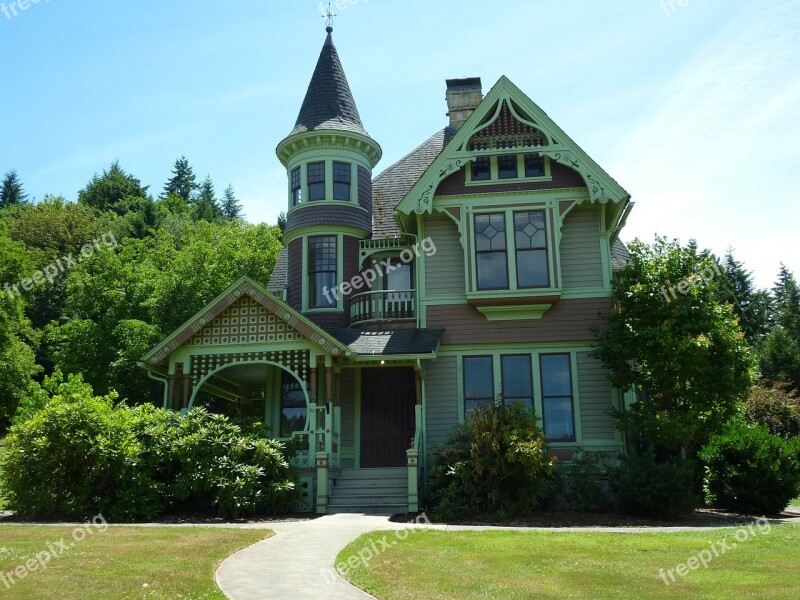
(297, 193)
(316, 181)
(341, 181)
(322, 261)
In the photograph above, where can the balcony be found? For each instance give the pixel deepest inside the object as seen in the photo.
(383, 305)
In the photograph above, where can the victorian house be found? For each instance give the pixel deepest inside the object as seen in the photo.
(471, 269)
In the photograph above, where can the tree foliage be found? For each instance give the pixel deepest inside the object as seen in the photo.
(683, 352)
(116, 191)
(231, 207)
(11, 192)
(751, 305)
(183, 182)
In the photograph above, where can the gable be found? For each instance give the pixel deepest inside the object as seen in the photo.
(245, 322)
(245, 313)
(508, 121)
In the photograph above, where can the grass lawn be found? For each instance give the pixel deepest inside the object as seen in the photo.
(795, 503)
(510, 565)
(121, 562)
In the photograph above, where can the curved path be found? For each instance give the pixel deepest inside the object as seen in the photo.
(297, 562)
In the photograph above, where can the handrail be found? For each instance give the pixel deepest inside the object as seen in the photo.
(383, 305)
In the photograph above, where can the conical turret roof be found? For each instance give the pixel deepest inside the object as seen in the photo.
(329, 102)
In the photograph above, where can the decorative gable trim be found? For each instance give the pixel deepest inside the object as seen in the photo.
(243, 287)
(530, 129)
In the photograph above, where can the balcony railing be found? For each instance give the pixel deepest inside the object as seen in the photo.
(383, 305)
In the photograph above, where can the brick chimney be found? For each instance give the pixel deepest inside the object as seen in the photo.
(463, 97)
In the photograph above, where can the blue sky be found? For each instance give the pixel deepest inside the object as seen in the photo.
(692, 105)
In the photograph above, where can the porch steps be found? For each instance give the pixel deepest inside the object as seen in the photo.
(373, 491)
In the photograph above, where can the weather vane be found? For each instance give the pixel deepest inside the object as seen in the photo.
(329, 15)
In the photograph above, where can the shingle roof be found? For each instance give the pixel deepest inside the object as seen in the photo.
(400, 341)
(620, 257)
(278, 279)
(329, 102)
(391, 186)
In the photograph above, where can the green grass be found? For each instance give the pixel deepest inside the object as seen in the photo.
(795, 503)
(515, 565)
(121, 562)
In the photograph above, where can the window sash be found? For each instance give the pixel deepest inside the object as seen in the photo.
(491, 254)
(481, 169)
(534, 165)
(509, 370)
(316, 181)
(507, 167)
(558, 402)
(531, 249)
(296, 187)
(342, 179)
(322, 270)
(478, 393)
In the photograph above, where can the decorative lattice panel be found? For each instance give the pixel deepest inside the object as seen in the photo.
(296, 361)
(507, 132)
(245, 322)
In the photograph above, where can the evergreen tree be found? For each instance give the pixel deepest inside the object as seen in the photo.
(12, 192)
(206, 205)
(183, 181)
(751, 305)
(787, 302)
(779, 359)
(282, 222)
(231, 207)
(115, 190)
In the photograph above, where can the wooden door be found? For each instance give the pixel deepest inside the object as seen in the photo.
(388, 398)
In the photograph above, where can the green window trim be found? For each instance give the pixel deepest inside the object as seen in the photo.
(557, 396)
(510, 278)
(487, 170)
(322, 267)
(537, 386)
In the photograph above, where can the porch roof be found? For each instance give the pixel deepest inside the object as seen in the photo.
(405, 342)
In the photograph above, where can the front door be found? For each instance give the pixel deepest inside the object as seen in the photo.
(388, 397)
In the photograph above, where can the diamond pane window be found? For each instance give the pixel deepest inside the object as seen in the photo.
(530, 238)
(490, 247)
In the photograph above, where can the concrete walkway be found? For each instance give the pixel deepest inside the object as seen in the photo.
(298, 562)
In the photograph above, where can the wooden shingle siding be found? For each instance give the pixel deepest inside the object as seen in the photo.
(294, 274)
(567, 320)
(365, 189)
(322, 214)
(581, 260)
(596, 399)
(444, 271)
(441, 397)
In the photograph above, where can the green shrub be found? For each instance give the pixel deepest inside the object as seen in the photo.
(496, 465)
(82, 455)
(775, 407)
(583, 490)
(748, 469)
(644, 486)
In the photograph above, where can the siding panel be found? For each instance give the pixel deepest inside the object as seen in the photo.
(441, 398)
(596, 399)
(581, 261)
(444, 271)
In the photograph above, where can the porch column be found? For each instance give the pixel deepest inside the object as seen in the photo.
(413, 479)
(322, 482)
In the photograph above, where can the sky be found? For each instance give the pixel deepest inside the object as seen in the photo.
(692, 105)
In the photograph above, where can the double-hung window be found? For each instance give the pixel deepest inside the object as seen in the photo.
(322, 263)
(316, 181)
(341, 181)
(517, 384)
(478, 382)
(557, 397)
(491, 255)
(297, 194)
(530, 238)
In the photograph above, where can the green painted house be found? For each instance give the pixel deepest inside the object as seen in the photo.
(474, 266)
